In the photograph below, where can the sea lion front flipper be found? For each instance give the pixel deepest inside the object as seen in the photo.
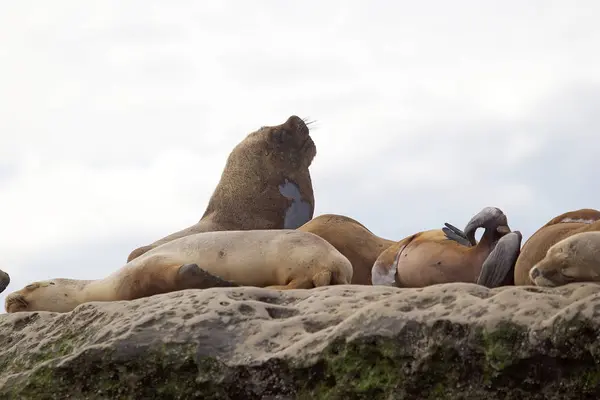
(4, 280)
(499, 266)
(299, 212)
(453, 233)
(302, 283)
(193, 277)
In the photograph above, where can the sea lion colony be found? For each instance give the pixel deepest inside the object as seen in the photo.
(258, 230)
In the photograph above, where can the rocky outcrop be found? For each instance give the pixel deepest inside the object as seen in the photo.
(453, 341)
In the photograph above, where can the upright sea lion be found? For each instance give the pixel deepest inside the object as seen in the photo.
(555, 230)
(353, 240)
(4, 280)
(273, 258)
(450, 255)
(575, 258)
(265, 184)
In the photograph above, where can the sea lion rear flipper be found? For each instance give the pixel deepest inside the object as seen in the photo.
(453, 233)
(193, 277)
(498, 268)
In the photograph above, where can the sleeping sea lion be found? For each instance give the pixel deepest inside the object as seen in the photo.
(555, 230)
(575, 258)
(273, 258)
(352, 239)
(450, 255)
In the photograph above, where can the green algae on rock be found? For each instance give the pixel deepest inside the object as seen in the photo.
(447, 341)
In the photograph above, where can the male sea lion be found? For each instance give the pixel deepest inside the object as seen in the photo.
(558, 228)
(352, 239)
(265, 184)
(575, 258)
(4, 280)
(274, 258)
(443, 255)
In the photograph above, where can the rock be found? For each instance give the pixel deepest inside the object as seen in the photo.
(452, 341)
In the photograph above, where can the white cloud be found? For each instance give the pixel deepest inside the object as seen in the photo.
(116, 118)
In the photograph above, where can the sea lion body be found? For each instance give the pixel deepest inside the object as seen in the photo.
(555, 230)
(446, 255)
(278, 259)
(575, 258)
(352, 239)
(265, 184)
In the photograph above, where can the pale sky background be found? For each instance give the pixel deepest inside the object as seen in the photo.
(116, 117)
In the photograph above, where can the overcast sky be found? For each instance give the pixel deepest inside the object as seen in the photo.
(116, 117)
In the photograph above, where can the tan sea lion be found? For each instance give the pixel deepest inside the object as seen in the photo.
(265, 184)
(4, 280)
(558, 228)
(274, 258)
(352, 239)
(575, 258)
(451, 255)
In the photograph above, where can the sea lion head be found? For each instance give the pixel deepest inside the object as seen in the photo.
(266, 182)
(288, 146)
(572, 259)
(42, 296)
(491, 219)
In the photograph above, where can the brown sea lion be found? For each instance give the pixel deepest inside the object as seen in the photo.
(558, 228)
(4, 280)
(450, 255)
(273, 258)
(575, 258)
(265, 184)
(352, 239)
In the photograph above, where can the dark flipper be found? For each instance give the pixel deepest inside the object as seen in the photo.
(299, 212)
(499, 267)
(453, 233)
(4, 280)
(193, 277)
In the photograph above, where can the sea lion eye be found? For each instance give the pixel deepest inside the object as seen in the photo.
(279, 136)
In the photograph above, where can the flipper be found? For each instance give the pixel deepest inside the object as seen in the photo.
(499, 267)
(453, 233)
(300, 211)
(192, 276)
(4, 280)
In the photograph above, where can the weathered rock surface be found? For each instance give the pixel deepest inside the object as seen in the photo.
(454, 341)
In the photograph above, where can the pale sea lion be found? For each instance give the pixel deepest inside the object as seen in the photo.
(573, 259)
(274, 258)
(353, 240)
(265, 184)
(450, 255)
(4, 280)
(558, 228)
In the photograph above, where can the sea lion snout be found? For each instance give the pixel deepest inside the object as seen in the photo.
(297, 124)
